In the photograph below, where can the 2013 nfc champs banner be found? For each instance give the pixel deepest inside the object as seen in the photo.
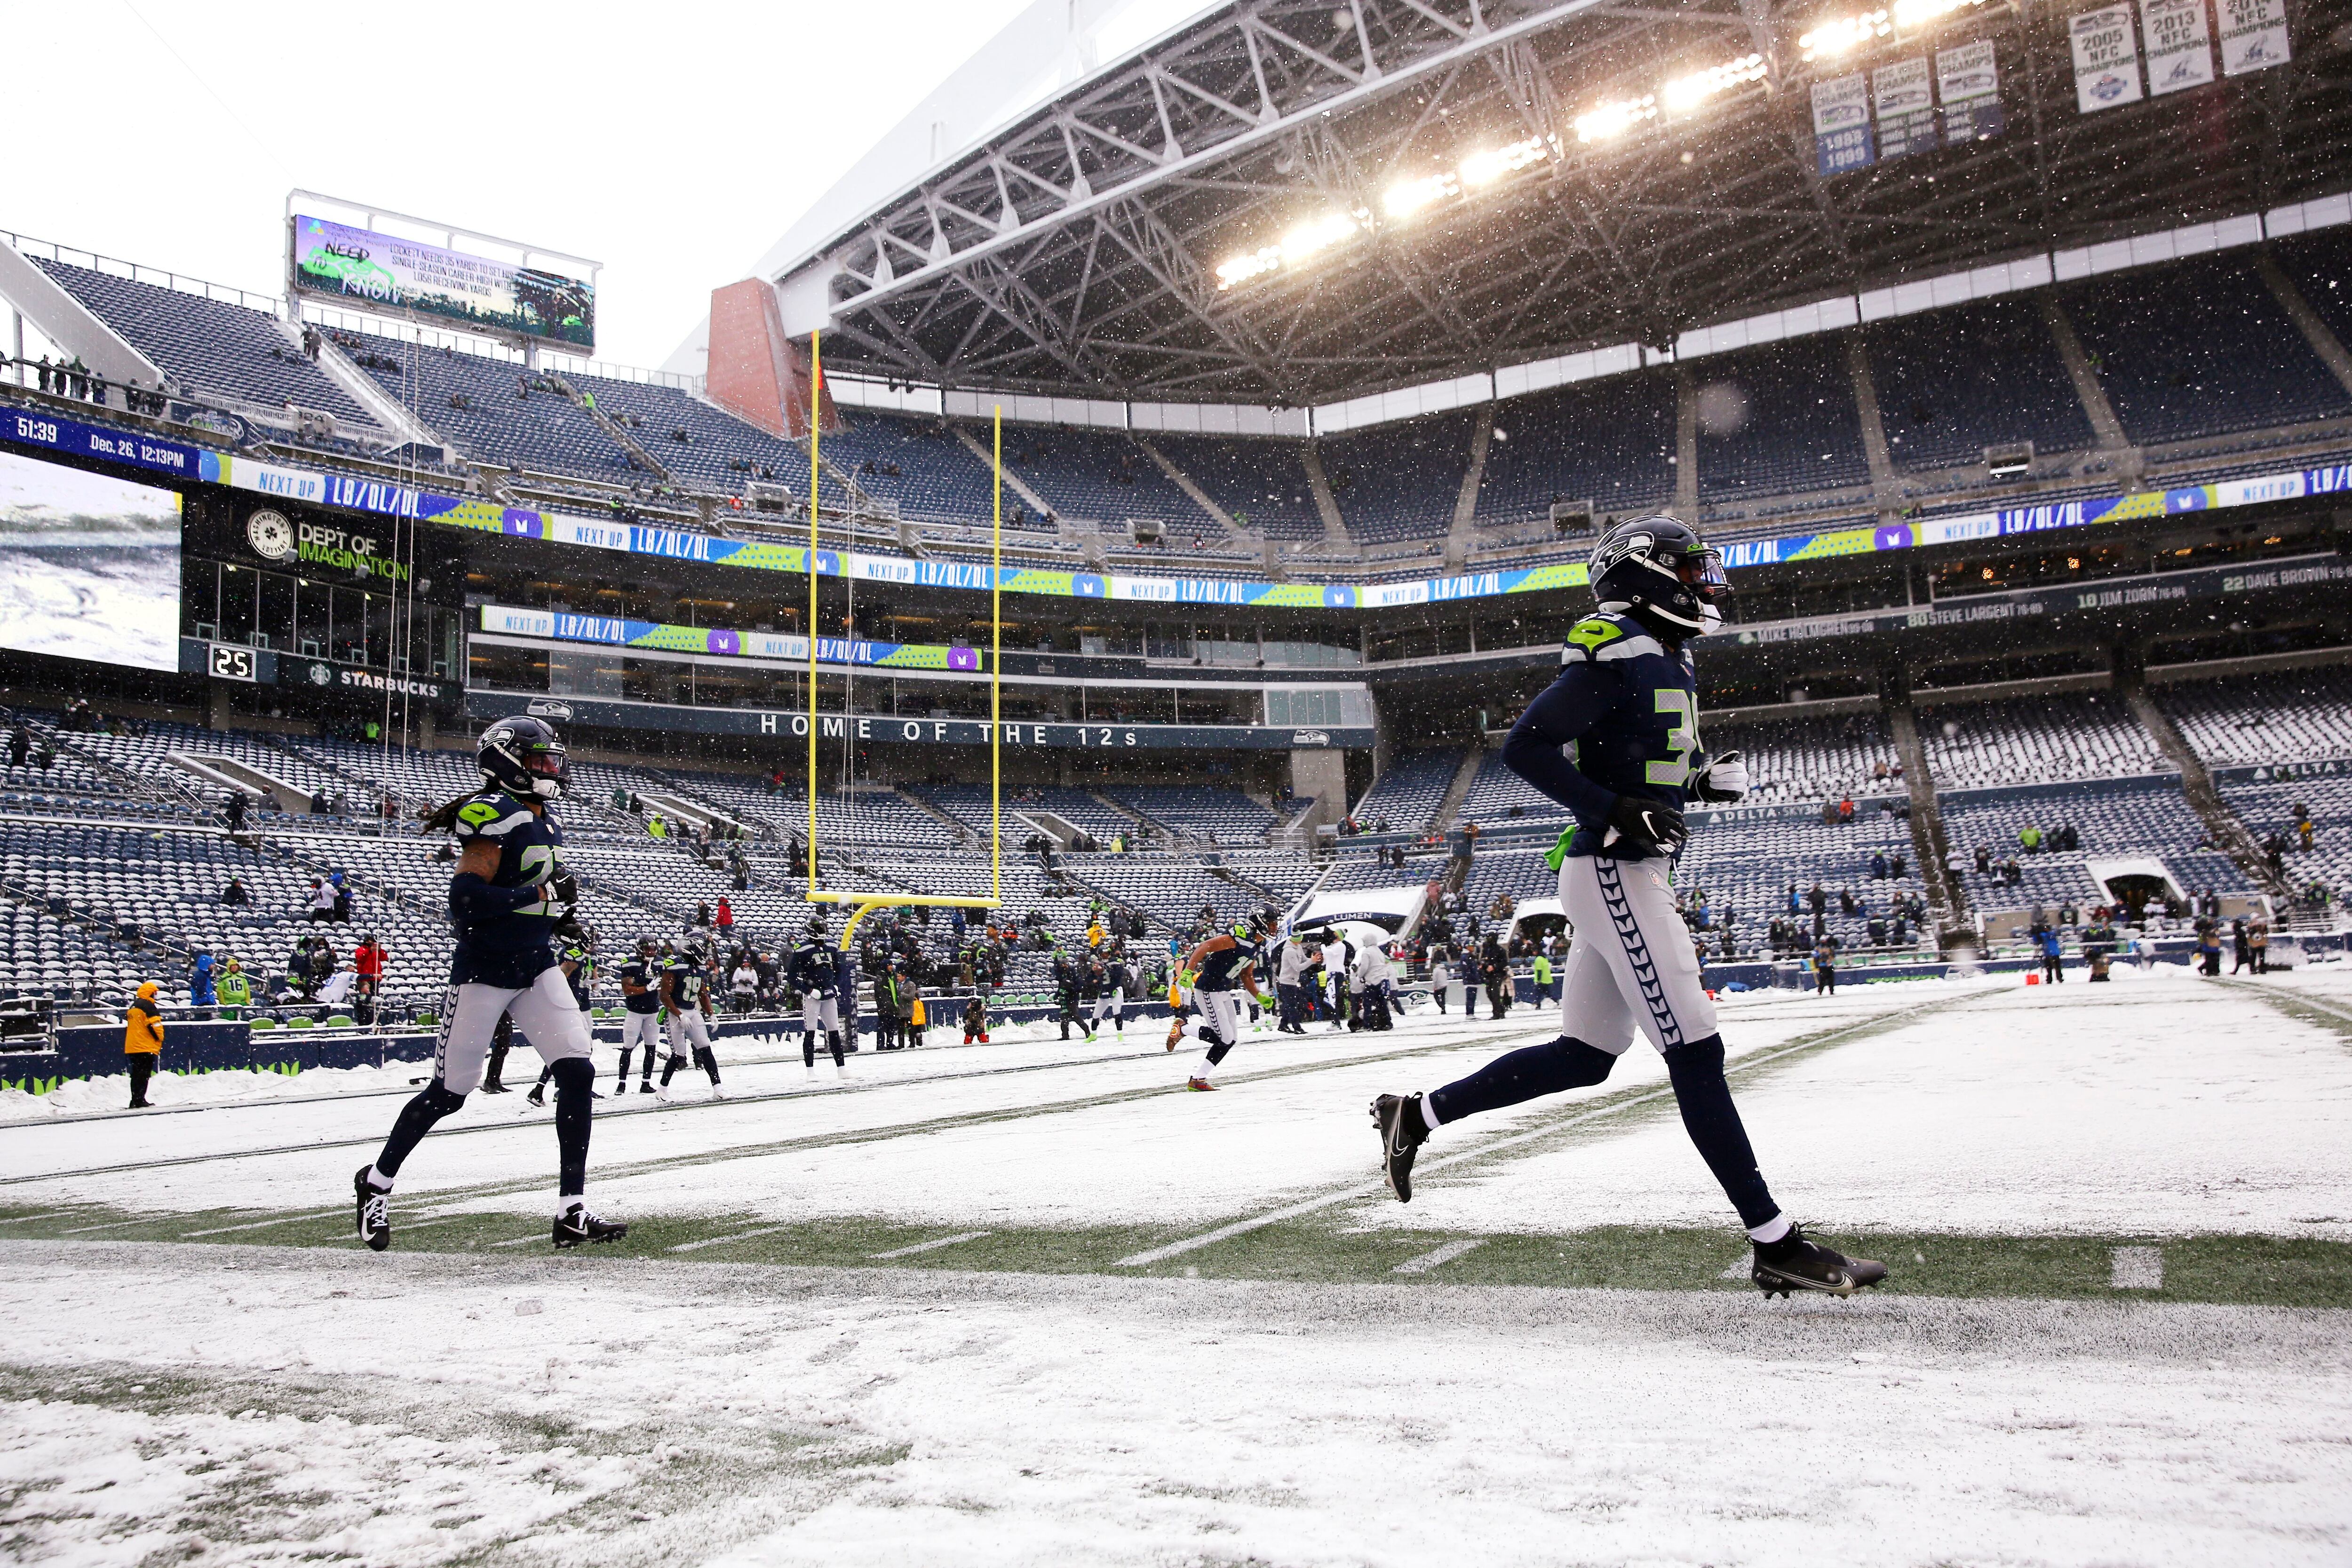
(134, 451)
(384, 271)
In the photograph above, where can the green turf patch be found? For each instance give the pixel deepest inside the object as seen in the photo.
(1327, 1248)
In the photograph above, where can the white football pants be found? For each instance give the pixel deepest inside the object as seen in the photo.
(1630, 964)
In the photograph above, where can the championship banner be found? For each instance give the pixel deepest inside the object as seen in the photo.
(2178, 43)
(383, 271)
(1967, 80)
(1842, 125)
(1906, 109)
(2107, 58)
(2253, 36)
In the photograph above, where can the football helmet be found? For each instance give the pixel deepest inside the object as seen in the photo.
(1661, 563)
(523, 756)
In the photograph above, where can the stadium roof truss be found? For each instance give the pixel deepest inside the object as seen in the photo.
(1075, 252)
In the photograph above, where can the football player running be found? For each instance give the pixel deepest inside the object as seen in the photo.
(1223, 969)
(508, 893)
(1615, 740)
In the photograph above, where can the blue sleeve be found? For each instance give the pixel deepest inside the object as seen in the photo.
(474, 899)
(1565, 711)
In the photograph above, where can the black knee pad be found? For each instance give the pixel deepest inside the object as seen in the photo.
(1696, 1062)
(440, 1100)
(573, 1075)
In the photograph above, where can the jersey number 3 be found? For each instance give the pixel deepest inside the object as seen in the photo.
(1682, 739)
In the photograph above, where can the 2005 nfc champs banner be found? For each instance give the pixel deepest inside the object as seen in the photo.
(478, 292)
(133, 450)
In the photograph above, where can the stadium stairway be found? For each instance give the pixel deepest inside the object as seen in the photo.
(619, 433)
(965, 835)
(2204, 798)
(1459, 790)
(1947, 902)
(1154, 830)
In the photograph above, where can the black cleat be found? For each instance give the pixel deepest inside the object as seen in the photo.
(494, 1087)
(580, 1225)
(647, 1086)
(537, 1095)
(1403, 1131)
(1792, 1263)
(374, 1211)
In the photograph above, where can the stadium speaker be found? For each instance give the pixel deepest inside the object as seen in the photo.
(2009, 459)
(1571, 517)
(1147, 529)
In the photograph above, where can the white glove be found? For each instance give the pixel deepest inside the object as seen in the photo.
(1725, 778)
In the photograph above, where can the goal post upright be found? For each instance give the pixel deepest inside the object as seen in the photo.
(996, 671)
(861, 904)
(816, 372)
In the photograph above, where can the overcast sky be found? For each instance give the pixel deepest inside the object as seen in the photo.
(674, 141)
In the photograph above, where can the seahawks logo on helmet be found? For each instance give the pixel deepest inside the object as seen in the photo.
(1660, 564)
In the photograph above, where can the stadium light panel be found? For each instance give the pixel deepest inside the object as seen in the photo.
(1685, 93)
(1302, 242)
(1407, 197)
(1832, 38)
(1609, 120)
(1485, 168)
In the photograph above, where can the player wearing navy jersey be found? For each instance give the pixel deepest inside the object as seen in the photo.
(685, 987)
(1615, 740)
(815, 970)
(509, 892)
(1223, 970)
(641, 1008)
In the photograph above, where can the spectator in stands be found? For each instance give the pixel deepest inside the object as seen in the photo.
(368, 959)
(2304, 828)
(20, 742)
(1878, 866)
(234, 809)
(142, 1041)
(2275, 852)
(2030, 837)
(1846, 901)
(235, 893)
(1845, 812)
(2068, 914)
(2011, 872)
(322, 900)
(724, 919)
(200, 979)
(342, 898)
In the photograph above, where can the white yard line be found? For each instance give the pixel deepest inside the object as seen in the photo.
(723, 1240)
(1549, 1130)
(1440, 1256)
(2135, 1269)
(117, 1225)
(52, 1214)
(929, 1246)
(257, 1225)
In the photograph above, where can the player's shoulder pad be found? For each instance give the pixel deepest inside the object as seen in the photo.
(493, 814)
(1605, 638)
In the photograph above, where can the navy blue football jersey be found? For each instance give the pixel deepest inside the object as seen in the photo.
(1621, 718)
(514, 947)
(583, 978)
(1222, 970)
(645, 971)
(691, 980)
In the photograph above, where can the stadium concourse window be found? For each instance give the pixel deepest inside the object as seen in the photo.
(312, 619)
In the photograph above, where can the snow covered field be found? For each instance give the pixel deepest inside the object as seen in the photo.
(1030, 1303)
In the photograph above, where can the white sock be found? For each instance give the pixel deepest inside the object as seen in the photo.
(1771, 1230)
(1203, 1070)
(566, 1207)
(1428, 1114)
(378, 1180)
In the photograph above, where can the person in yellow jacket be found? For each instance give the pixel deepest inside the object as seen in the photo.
(142, 1041)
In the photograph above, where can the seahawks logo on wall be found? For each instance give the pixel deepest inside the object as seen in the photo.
(270, 534)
